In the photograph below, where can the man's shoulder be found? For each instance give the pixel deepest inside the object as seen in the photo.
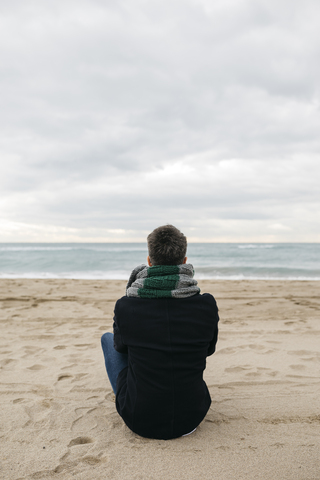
(127, 302)
(206, 298)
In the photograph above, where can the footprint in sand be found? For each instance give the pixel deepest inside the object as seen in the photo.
(80, 450)
(303, 353)
(110, 397)
(71, 459)
(298, 367)
(226, 351)
(36, 367)
(261, 349)
(79, 376)
(254, 346)
(63, 377)
(85, 345)
(30, 350)
(85, 421)
(68, 367)
(237, 369)
(8, 363)
(80, 441)
(38, 412)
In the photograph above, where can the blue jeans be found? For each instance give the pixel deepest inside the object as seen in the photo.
(115, 361)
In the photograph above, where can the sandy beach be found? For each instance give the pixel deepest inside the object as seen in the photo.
(58, 418)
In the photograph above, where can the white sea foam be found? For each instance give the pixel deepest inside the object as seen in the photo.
(41, 248)
(253, 277)
(32, 249)
(124, 275)
(111, 275)
(249, 245)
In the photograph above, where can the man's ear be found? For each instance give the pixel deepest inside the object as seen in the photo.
(149, 261)
(185, 260)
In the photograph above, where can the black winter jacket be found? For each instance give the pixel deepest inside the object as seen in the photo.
(162, 393)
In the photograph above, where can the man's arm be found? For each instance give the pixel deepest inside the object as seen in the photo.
(117, 339)
(212, 344)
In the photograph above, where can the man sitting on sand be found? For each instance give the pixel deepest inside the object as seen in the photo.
(163, 331)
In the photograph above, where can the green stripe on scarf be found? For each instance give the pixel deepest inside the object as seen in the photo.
(162, 270)
(144, 293)
(167, 282)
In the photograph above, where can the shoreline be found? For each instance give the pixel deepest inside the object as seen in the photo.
(199, 279)
(58, 415)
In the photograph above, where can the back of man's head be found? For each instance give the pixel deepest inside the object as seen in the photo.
(167, 246)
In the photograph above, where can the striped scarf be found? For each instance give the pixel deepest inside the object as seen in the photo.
(162, 281)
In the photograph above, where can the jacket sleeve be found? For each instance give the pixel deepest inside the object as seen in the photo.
(118, 344)
(212, 344)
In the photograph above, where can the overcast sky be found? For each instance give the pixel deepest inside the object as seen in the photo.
(118, 116)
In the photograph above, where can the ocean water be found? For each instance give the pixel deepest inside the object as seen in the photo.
(116, 260)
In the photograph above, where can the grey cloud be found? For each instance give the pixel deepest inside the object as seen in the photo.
(103, 92)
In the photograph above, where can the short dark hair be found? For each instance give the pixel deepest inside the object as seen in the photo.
(167, 246)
